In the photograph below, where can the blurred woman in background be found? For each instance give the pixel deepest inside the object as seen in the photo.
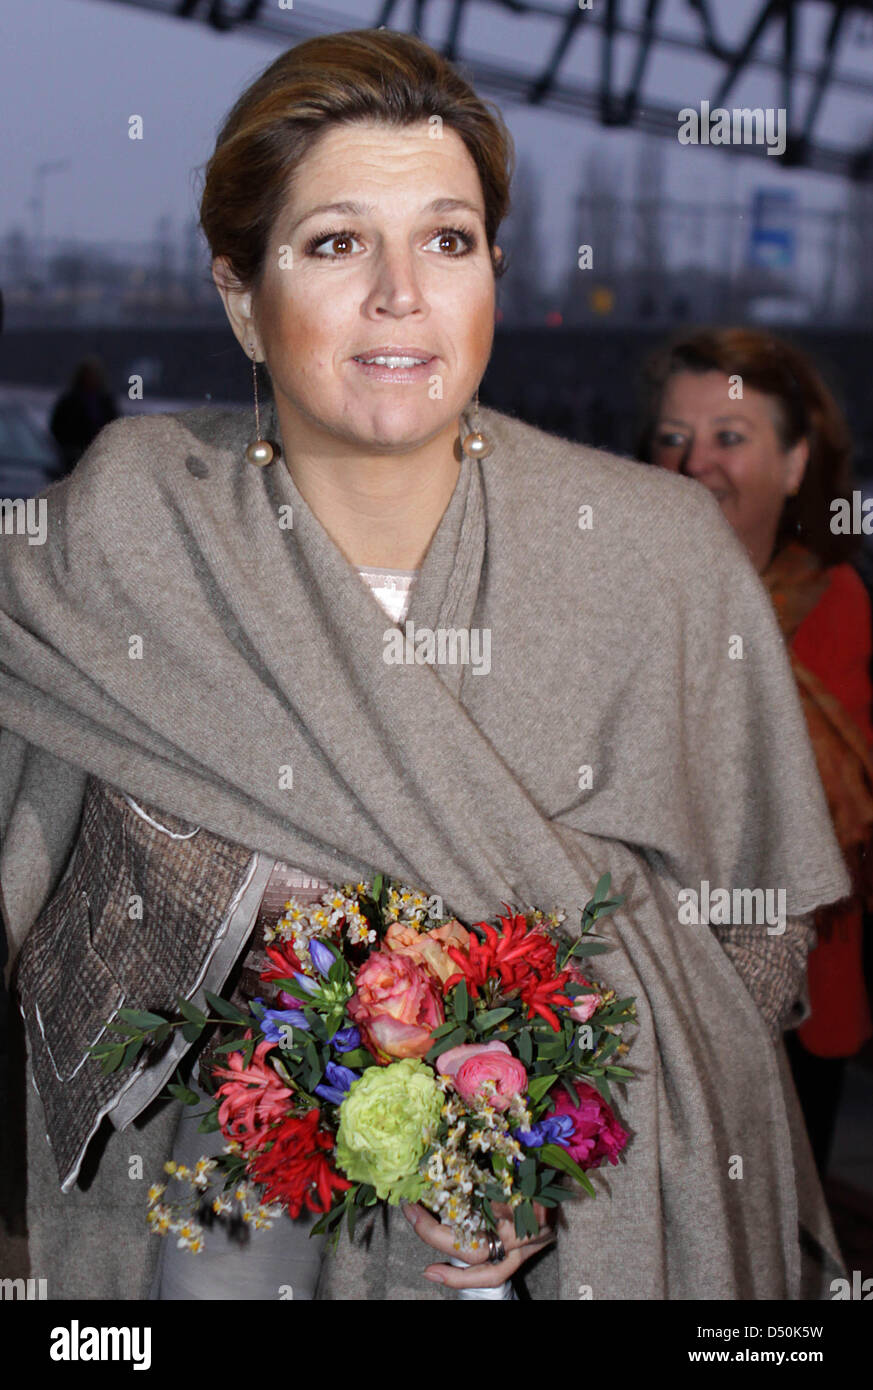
(750, 417)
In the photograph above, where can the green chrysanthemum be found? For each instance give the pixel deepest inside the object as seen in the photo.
(387, 1121)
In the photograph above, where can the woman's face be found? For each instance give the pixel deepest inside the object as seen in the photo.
(733, 448)
(405, 272)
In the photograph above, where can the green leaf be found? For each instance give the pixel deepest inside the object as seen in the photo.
(524, 1043)
(111, 1061)
(525, 1220)
(236, 1046)
(161, 1034)
(540, 1084)
(527, 1177)
(360, 1057)
(225, 1009)
(191, 1031)
(461, 1002)
(191, 1012)
(209, 1124)
(376, 891)
(444, 1029)
(560, 1159)
(184, 1094)
(490, 1018)
(589, 948)
(141, 1018)
(133, 1048)
(602, 888)
(453, 1040)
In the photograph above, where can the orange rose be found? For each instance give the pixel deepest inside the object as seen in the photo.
(429, 948)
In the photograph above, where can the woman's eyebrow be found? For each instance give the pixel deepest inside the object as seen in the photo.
(353, 209)
(716, 420)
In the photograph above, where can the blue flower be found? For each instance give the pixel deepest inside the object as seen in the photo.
(275, 1020)
(346, 1040)
(338, 1079)
(307, 985)
(554, 1129)
(321, 957)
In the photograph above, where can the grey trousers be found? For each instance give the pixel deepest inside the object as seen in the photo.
(93, 1242)
(282, 1263)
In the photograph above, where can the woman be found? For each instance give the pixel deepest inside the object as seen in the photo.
(194, 683)
(776, 456)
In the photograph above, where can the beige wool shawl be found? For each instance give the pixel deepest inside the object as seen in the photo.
(633, 639)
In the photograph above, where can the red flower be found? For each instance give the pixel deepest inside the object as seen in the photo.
(523, 959)
(296, 1169)
(252, 1097)
(284, 961)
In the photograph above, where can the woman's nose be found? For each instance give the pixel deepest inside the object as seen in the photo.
(698, 460)
(396, 287)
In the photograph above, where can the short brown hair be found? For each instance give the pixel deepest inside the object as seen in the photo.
(805, 409)
(360, 75)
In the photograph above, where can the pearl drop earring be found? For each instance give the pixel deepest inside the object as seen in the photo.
(477, 445)
(260, 451)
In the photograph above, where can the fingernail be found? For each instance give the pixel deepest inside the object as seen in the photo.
(434, 1276)
(411, 1215)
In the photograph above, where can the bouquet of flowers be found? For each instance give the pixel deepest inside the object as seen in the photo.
(399, 1056)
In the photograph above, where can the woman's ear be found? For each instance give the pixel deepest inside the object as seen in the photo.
(798, 458)
(238, 306)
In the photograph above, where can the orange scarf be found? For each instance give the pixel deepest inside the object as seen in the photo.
(796, 580)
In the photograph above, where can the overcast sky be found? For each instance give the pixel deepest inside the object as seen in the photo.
(73, 71)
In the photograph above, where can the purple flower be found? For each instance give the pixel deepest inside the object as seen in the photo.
(275, 1020)
(321, 957)
(346, 1040)
(308, 986)
(338, 1079)
(288, 1001)
(554, 1129)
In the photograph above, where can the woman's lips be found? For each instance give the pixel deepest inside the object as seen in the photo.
(382, 372)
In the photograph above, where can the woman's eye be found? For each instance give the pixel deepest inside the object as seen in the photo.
(729, 438)
(669, 441)
(454, 234)
(335, 239)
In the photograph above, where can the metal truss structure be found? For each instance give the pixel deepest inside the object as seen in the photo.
(802, 87)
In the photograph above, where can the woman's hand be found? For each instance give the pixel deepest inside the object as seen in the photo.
(482, 1274)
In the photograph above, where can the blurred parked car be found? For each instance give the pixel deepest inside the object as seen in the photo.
(29, 457)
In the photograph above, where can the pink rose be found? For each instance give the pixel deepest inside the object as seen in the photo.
(396, 1006)
(585, 1004)
(485, 1062)
(597, 1134)
(430, 948)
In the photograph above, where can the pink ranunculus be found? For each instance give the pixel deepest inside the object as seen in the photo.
(448, 1062)
(597, 1134)
(252, 1098)
(585, 1004)
(506, 1072)
(396, 1006)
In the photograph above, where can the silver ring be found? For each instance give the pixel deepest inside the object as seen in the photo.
(496, 1249)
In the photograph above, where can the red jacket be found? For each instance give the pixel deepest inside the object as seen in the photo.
(834, 642)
